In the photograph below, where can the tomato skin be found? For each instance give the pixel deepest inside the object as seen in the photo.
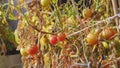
(107, 33)
(33, 50)
(61, 36)
(87, 13)
(105, 44)
(23, 52)
(92, 39)
(53, 39)
(21, 1)
(45, 2)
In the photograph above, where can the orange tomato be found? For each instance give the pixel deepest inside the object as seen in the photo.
(61, 36)
(92, 38)
(87, 13)
(107, 33)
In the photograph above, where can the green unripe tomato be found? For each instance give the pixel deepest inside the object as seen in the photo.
(45, 3)
(23, 52)
(105, 44)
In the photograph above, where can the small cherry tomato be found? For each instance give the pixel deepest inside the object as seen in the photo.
(23, 52)
(53, 39)
(105, 44)
(87, 13)
(107, 33)
(61, 36)
(33, 50)
(45, 2)
(92, 39)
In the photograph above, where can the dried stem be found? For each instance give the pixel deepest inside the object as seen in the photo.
(98, 22)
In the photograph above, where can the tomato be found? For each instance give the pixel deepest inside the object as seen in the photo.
(45, 2)
(97, 31)
(107, 33)
(71, 20)
(87, 13)
(22, 1)
(33, 50)
(23, 52)
(92, 38)
(61, 36)
(53, 39)
(105, 44)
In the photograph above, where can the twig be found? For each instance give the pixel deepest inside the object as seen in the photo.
(98, 22)
(117, 59)
(78, 64)
(115, 9)
(40, 30)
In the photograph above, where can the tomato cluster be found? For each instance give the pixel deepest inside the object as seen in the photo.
(105, 34)
(60, 37)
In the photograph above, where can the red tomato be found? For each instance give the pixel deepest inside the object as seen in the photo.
(61, 36)
(33, 50)
(53, 39)
(108, 33)
(92, 39)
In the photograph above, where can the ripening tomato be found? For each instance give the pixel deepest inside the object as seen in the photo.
(92, 38)
(107, 33)
(53, 39)
(61, 36)
(23, 52)
(33, 50)
(45, 2)
(87, 13)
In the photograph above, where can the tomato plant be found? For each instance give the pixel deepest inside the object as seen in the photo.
(33, 50)
(69, 27)
(53, 39)
(61, 36)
